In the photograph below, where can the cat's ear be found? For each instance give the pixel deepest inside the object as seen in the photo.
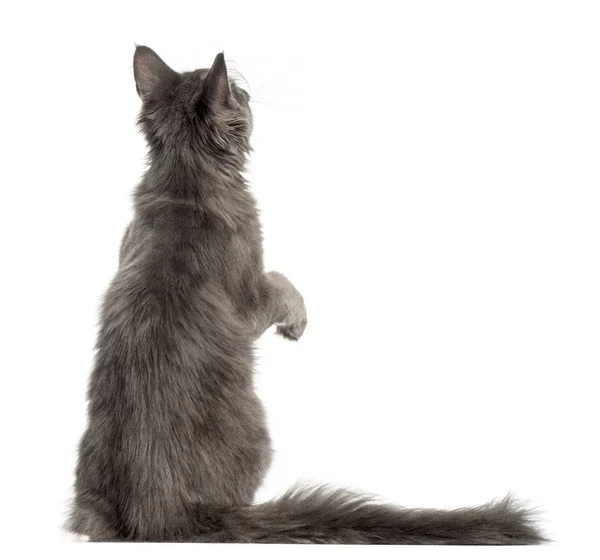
(149, 70)
(215, 90)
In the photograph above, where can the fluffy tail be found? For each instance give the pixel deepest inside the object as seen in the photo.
(323, 515)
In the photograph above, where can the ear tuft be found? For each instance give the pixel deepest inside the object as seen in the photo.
(216, 84)
(149, 70)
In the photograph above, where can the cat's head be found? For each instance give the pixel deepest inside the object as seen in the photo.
(197, 115)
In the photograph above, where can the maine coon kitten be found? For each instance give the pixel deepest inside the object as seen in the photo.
(176, 444)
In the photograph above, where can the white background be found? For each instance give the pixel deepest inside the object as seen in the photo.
(428, 176)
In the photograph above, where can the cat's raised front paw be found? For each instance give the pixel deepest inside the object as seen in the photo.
(292, 332)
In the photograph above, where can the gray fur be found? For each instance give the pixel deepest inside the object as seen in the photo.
(176, 443)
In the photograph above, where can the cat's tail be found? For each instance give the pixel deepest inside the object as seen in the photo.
(323, 515)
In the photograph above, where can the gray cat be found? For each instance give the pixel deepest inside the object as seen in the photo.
(176, 444)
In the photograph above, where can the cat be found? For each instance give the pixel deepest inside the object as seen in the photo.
(176, 443)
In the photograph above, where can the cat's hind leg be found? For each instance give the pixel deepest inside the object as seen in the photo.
(89, 521)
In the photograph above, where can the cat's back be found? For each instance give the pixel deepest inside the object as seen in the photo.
(170, 308)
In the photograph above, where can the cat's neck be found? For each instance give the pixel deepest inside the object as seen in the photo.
(183, 177)
(197, 194)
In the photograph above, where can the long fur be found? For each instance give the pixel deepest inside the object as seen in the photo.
(176, 443)
(336, 516)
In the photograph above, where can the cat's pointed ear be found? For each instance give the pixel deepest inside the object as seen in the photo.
(149, 71)
(216, 84)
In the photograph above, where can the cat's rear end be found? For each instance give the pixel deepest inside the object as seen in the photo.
(176, 444)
